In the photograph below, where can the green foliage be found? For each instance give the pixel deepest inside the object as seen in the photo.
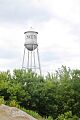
(2, 100)
(13, 103)
(34, 114)
(51, 97)
(67, 116)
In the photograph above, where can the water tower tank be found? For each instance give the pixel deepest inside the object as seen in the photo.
(31, 40)
(31, 60)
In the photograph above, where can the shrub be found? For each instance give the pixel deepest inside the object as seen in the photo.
(2, 100)
(13, 103)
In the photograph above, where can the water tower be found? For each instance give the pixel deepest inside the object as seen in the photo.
(31, 58)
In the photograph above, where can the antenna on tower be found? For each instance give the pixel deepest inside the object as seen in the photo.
(31, 59)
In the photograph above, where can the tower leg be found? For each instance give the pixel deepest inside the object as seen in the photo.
(39, 61)
(23, 59)
(28, 60)
(34, 60)
(31, 61)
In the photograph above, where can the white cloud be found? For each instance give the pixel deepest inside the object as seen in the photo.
(58, 24)
(67, 9)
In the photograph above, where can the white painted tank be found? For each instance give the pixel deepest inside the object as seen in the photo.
(31, 40)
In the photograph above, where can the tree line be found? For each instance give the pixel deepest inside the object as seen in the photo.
(53, 95)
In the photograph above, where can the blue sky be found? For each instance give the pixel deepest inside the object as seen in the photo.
(58, 25)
